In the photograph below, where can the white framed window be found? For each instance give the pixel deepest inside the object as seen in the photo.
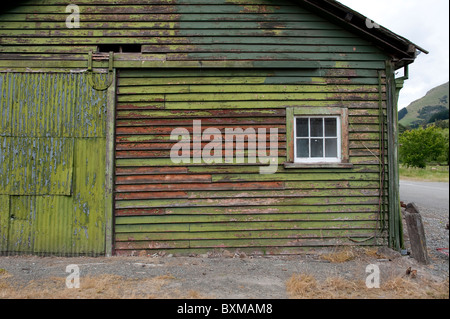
(317, 139)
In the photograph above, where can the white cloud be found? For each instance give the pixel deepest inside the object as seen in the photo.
(426, 23)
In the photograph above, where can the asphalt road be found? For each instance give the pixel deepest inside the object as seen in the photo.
(426, 194)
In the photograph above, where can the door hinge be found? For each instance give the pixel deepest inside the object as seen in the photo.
(90, 72)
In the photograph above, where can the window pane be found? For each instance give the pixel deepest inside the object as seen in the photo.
(317, 148)
(302, 127)
(331, 127)
(316, 127)
(331, 149)
(302, 148)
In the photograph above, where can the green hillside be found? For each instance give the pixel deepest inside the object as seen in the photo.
(434, 105)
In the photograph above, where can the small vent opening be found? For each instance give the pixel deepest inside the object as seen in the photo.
(120, 48)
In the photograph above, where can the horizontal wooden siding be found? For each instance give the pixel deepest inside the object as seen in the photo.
(35, 35)
(160, 205)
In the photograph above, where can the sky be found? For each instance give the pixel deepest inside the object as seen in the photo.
(425, 23)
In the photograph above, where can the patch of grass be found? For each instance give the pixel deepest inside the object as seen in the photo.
(340, 255)
(304, 286)
(428, 174)
(372, 252)
(97, 287)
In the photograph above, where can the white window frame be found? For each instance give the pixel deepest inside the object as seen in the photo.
(324, 159)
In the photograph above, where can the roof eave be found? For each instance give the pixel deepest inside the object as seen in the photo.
(401, 49)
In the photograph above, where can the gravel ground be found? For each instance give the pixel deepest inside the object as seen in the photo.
(218, 278)
(224, 275)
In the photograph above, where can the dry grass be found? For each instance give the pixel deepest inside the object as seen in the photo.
(373, 252)
(340, 255)
(303, 286)
(97, 287)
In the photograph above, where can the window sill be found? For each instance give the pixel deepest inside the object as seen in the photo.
(318, 165)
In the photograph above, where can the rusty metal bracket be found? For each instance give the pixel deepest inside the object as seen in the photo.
(110, 77)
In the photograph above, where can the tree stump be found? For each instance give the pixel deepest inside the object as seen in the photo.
(416, 234)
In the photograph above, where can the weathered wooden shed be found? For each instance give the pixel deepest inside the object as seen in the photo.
(91, 94)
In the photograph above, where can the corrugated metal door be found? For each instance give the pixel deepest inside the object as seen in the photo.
(52, 164)
(198, 207)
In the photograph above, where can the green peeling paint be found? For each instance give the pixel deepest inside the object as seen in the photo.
(52, 164)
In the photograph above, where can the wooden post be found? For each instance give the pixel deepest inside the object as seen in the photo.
(416, 233)
(110, 152)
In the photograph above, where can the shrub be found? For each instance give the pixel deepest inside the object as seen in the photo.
(420, 146)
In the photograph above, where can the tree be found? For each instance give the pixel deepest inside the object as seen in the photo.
(442, 115)
(445, 154)
(420, 146)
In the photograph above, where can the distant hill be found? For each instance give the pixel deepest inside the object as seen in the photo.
(433, 106)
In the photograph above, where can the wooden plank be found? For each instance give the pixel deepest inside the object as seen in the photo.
(161, 9)
(164, 16)
(151, 195)
(242, 202)
(328, 219)
(312, 79)
(246, 226)
(249, 97)
(199, 186)
(150, 170)
(304, 29)
(209, 115)
(224, 48)
(316, 29)
(245, 194)
(276, 56)
(247, 89)
(149, 40)
(138, 121)
(160, 77)
(295, 177)
(262, 104)
(166, 162)
(244, 236)
(156, 179)
(157, 130)
(263, 244)
(249, 210)
(45, 49)
(247, 186)
(152, 245)
(223, 153)
(161, 62)
(109, 166)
